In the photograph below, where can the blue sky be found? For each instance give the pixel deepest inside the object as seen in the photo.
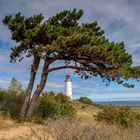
(119, 18)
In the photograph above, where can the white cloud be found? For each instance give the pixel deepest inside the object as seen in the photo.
(17, 68)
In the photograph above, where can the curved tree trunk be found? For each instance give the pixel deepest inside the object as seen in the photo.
(40, 87)
(34, 68)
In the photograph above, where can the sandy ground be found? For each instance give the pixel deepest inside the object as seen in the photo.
(25, 132)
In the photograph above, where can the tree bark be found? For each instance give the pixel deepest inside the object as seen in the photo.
(40, 87)
(34, 68)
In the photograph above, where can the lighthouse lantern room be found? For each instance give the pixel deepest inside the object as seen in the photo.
(68, 86)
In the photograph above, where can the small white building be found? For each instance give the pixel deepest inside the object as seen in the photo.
(68, 86)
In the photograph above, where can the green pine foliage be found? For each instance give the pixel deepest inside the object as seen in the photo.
(63, 37)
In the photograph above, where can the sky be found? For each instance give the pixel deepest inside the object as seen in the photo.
(120, 19)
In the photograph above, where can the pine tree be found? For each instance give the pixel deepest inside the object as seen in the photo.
(81, 47)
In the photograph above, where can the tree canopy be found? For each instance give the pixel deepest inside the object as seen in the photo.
(82, 46)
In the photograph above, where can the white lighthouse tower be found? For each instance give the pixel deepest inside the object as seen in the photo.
(68, 86)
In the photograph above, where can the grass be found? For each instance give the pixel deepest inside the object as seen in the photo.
(6, 123)
(136, 109)
(83, 127)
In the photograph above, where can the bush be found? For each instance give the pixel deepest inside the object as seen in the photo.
(121, 116)
(2, 93)
(48, 107)
(83, 106)
(61, 98)
(85, 100)
(67, 110)
(12, 104)
(12, 99)
(137, 116)
(51, 105)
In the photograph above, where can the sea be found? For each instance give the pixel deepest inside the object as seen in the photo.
(119, 103)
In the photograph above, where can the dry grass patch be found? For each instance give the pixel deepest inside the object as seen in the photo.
(26, 131)
(63, 129)
(87, 113)
(6, 123)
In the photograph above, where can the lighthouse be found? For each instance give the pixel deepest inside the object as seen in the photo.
(68, 86)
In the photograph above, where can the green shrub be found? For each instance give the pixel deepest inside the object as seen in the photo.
(83, 106)
(2, 93)
(85, 100)
(48, 107)
(12, 104)
(121, 116)
(61, 98)
(135, 115)
(12, 99)
(51, 105)
(67, 110)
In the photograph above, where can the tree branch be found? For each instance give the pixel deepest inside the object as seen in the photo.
(109, 72)
(53, 59)
(71, 67)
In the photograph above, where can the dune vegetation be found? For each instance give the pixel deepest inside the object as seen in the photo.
(58, 118)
